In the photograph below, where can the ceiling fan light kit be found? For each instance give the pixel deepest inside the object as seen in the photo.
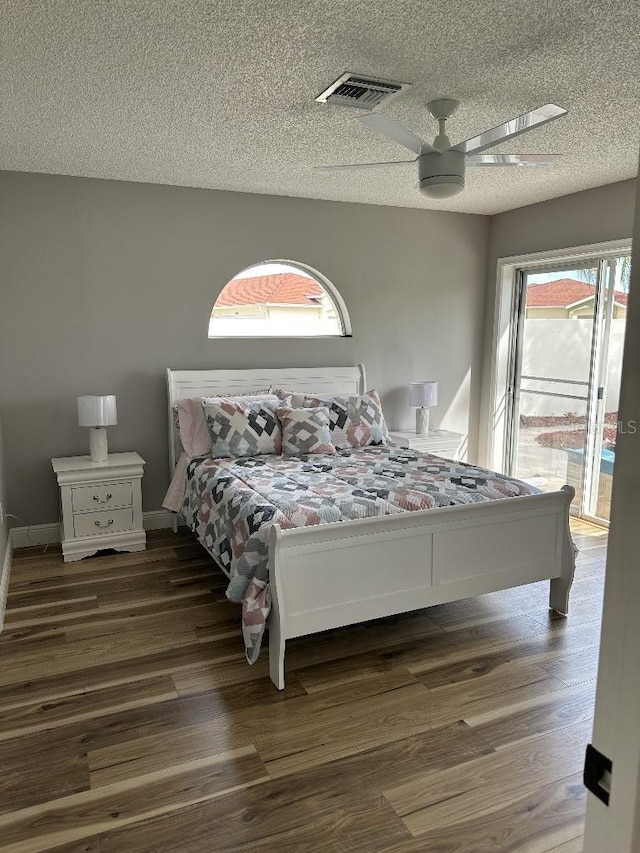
(441, 175)
(441, 166)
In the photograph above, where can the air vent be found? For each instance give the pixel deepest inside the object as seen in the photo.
(355, 90)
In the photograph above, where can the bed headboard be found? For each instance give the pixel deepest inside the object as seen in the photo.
(182, 384)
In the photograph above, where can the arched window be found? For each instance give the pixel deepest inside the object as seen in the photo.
(279, 299)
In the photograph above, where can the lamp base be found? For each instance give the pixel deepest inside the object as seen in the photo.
(422, 421)
(98, 444)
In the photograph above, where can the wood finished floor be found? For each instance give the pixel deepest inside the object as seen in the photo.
(130, 722)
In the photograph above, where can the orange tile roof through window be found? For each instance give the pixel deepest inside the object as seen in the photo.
(280, 288)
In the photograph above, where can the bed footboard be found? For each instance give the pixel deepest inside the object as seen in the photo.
(331, 575)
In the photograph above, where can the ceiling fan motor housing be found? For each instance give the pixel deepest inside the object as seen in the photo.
(442, 174)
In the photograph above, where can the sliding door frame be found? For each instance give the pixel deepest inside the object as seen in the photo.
(500, 387)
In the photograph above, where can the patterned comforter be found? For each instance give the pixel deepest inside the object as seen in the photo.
(231, 505)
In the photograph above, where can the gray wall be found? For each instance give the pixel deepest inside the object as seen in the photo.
(592, 216)
(105, 284)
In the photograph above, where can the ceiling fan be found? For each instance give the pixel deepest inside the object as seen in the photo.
(441, 166)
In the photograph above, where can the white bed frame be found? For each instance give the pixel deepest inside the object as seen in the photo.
(329, 575)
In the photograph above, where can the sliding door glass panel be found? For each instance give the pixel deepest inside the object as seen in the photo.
(552, 375)
(605, 422)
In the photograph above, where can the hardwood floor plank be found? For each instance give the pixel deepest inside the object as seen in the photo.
(414, 627)
(85, 845)
(538, 650)
(392, 762)
(576, 845)
(161, 720)
(286, 816)
(184, 621)
(36, 557)
(156, 752)
(26, 719)
(537, 822)
(306, 652)
(158, 593)
(17, 615)
(23, 648)
(72, 818)
(27, 632)
(79, 655)
(582, 666)
(586, 609)
(526, 600)
(313, 737)
(428, 802)
(457, 644)
(590, 577)
(83, 573)
(418, 657)
(54, 686)
(294, 802)
(516, 723)
(211, 676)
(176, 613)
(25, 622)
(595, 550)
(40, 768)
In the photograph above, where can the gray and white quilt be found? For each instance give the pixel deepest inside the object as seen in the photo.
(231, 504)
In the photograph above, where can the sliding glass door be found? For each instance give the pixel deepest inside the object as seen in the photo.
(565, 382)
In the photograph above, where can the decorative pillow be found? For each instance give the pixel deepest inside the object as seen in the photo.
(355, 421)
(305, 431)
(192, 426)
(293, 399)
(243, 428)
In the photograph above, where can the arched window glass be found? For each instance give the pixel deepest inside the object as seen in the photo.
(279, 299)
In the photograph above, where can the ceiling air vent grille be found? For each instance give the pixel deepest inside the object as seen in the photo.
(355, 90)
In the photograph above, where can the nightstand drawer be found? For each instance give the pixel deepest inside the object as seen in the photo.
(105, 521)
(101, 496)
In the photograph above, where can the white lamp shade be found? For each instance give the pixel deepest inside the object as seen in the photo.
(97, 411)
(423, 394)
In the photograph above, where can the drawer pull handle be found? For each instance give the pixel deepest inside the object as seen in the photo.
(108, 524)
(97, 498)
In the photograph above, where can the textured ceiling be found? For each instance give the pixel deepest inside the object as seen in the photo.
(220, 93)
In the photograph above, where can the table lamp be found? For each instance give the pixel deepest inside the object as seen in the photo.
(97, 413)
(423, 395)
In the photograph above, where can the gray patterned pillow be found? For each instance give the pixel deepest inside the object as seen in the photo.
(191, 424)
(305, 431)
(355, 421)
(243, 429)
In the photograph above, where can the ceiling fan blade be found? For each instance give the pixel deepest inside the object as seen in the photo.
(363, 166)
(381, 124)
(510, 129)
(512, 159)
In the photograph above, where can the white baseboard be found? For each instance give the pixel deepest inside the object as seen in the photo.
(35, 534)
(5, 570)
(157, 519)
(49, 534)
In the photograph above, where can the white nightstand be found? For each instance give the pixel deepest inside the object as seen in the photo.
(440, 442)
(101, 504)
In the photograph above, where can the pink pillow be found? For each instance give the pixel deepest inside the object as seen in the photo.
(192, 425)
